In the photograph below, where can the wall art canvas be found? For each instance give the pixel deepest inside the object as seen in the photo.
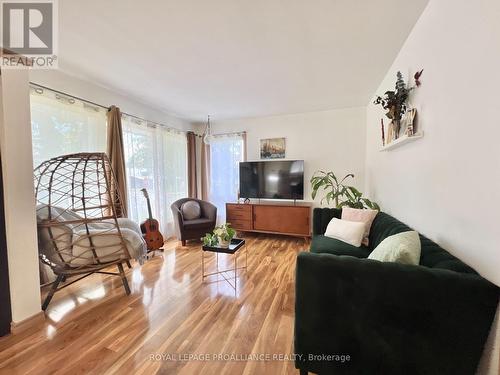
(272, 148)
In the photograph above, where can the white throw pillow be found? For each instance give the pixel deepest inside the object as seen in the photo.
(400, 248)
(347, 231)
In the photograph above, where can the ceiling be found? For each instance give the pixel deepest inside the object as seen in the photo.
(236, 58)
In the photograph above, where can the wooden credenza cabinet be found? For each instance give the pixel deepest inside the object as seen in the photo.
(289, 219)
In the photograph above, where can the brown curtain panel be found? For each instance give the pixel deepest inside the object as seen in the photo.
(117, 159)
(191, 159)
(205, 171)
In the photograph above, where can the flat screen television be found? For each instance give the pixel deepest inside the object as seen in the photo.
(276, 179)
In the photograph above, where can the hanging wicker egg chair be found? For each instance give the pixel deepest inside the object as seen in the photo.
(78, 228)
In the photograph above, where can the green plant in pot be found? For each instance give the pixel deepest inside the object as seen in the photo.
(210, 239)
(221, 236)
(355, 199)
(338, 192)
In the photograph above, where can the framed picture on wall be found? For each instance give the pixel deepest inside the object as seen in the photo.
(272, 148)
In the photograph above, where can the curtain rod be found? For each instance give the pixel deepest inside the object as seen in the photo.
(221, 134)
(103, 106)
(66, 94)
(228, 134)
(148, 122)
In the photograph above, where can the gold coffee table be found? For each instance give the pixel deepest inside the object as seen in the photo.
(235, 245)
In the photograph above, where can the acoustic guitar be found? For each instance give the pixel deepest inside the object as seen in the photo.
(150, 228)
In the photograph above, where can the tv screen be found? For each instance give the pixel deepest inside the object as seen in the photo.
(272, 179)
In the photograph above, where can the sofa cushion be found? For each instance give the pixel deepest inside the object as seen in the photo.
(384, 226)
(323, 244)
(322, 217)
(197, 223)
(432, 255)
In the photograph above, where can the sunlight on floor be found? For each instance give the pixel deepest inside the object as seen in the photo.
(51, 331)
(61, 310)
(95, 293)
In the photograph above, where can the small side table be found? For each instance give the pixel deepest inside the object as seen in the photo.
(234, 246)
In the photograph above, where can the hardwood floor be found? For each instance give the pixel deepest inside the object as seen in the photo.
(93, 327)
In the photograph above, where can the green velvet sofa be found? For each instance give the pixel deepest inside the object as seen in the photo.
(372, 317)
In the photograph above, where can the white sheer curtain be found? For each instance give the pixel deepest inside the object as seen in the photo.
(226, 152)
(155, 159)
(63, 125)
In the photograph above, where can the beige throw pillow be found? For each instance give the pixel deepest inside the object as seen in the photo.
(362, 215)
(347, 231)
(400, 248)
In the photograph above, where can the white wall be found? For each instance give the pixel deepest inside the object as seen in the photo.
(329, 140)
(84, 89)
(447, 184)
(17, 164)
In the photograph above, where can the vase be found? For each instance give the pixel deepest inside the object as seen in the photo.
(397, 128)
(224, 244)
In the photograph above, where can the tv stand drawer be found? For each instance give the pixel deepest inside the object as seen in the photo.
(240, 224)
(236, 212)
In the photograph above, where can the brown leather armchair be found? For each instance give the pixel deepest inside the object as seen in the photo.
(196, 228)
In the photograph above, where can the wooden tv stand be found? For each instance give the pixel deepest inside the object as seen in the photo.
(277, 218)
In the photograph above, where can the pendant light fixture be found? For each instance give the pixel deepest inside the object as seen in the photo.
(207, 137)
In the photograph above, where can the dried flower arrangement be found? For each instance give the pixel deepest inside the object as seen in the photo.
(395, 102)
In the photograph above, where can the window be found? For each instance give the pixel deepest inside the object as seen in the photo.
(226, 152)
(156, 159)
(62, 125)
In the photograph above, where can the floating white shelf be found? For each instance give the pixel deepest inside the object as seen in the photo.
(401, 141)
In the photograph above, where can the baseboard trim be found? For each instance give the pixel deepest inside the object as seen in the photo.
(33, 321)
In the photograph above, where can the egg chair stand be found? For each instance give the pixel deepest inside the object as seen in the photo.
(62, 277)
(79, 231)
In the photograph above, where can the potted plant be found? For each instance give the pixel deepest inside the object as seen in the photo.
(339, 193)
(221, 236)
